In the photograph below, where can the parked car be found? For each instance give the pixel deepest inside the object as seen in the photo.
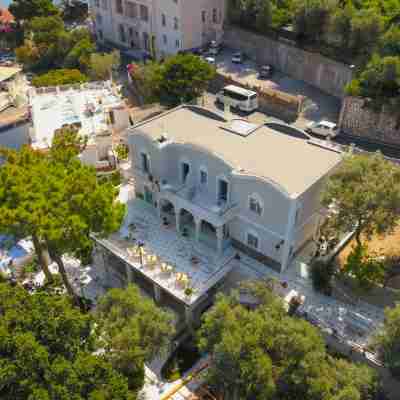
(323, 128)
(214, 48)
(210, 60)
(265, 71)
(237, 58)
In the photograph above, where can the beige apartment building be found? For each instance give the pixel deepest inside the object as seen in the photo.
(159, 27)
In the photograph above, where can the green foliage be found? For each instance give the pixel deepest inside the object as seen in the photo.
(181, 78)
(265, 354)
(133, 330)
(388, 340)
(367, 269)
(74, 10)
(49, 45)
(25, 10)
(122, 151)
(59, 77)
(390, 42)
(322, 274)
(366, 192)
(311, 18)
(47, 351)
(102, 65)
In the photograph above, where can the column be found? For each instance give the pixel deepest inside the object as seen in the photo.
(220, 239)
(198, 222)
(129, 275)
(177, 219)
(157, 293)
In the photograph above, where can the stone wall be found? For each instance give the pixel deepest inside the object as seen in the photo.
(325, 74)
(358, 120)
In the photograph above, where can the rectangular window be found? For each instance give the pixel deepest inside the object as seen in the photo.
(145, 162)
(177, 43)
(144, 13)
(255, 206)
(118, 6)
(97, 3)
(203, 177)
(99, 19)
(100, 33)
(185, 171)
(122, 36)
(163, 20)
(203, 16)
(252, 241)
(131, 10)
(214, 17)
(164, 39)
(104, 4)
(222, 190)
(176, 24)
(130, 30)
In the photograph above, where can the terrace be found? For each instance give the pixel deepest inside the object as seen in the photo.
(168, 263)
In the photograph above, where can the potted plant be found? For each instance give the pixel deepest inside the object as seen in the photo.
(188, 291)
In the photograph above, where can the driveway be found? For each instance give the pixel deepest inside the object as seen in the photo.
(319, 105)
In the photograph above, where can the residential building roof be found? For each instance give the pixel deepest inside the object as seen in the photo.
(293, 163)
(6, 17)
(8, 72)
(85, 105)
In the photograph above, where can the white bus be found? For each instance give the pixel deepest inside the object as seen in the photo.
(237, 97)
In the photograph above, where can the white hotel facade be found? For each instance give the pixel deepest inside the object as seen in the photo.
(160, 27)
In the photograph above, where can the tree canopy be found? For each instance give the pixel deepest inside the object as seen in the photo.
(366, 193)
(133, 330)
(388, 340)
(57, 200)
(47, 351)
(102, 65)
(25, 10)
(265, 354)
(58, 77)
(179, 78)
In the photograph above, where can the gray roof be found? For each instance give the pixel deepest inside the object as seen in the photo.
(291, 162)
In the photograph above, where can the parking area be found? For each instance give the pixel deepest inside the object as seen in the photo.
(318, 105)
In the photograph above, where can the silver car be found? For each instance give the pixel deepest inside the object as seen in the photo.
(323, 128)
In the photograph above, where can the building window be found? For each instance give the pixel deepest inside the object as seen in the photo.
(130, 30)
(176, 1)
(252, 240)
(164, 39)
(104, 4)
(163, 20)
(99, 19)
(203, 16)
(222, 190)
(131, 10)
(97, 3)
(145, 164)
(100, 33)
(176, 23)
(122, 36)
(118, 6)
(146, 43)
(144, 13)
(185, 170)
(177, 43)
(215, 18)
(203, 177)
(255, 204)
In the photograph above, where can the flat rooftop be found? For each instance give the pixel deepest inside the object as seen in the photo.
(171, 249)
(85, 105)
(291, 162)
(8, 72)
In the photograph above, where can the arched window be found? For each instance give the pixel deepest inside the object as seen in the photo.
(256, 204)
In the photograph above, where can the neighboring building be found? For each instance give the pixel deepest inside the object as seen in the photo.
(219, 186)
(96, 108)
(160, 27)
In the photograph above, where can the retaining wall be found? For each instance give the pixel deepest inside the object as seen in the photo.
(327, 75)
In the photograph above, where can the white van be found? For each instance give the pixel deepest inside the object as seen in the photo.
(237, 97)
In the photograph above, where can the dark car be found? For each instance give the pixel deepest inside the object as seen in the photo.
(266, 71)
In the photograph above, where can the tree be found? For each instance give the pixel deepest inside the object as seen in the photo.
(390, 42)
(180, 78)
(264, 17)
(47, 351)
(74, 10)
(132, 330)
(388, 340)
(311, 19)
(25, 10)
(265, 354)
(59, 77)
(341, 25)
(57, 202)
(366, 193)
(102, 65)
(67, 144)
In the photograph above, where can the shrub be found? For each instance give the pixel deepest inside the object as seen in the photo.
(59, 77)
(321, 274)
(122, 151)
